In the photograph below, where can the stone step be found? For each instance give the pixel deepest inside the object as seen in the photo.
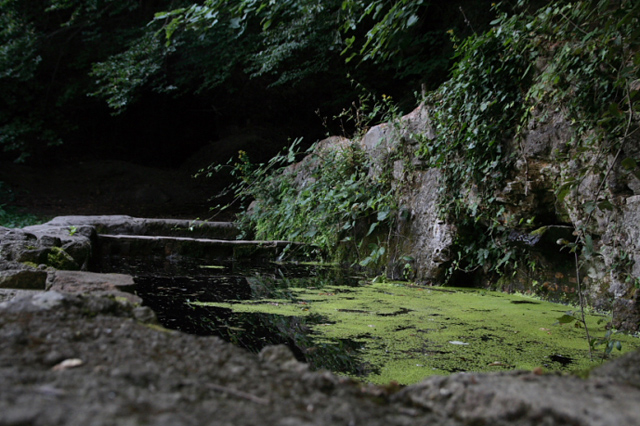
(205, 249)
(127, 225)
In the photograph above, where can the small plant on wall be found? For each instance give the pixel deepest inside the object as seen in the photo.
(329, 201)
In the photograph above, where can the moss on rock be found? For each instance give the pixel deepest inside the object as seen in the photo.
(60, 259)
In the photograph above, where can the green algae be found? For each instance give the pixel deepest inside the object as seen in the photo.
(409, 332)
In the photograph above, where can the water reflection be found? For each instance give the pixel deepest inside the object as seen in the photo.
(170, 296)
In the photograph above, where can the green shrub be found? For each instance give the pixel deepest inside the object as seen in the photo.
(581, 57)
(330, 201)
(11, 217)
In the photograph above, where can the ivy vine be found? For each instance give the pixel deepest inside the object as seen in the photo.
(581, 57)
(474, 114)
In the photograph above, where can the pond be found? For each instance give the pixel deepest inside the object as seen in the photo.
(374, 331)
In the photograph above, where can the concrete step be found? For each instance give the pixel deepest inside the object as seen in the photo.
(204, 249)
(127, 225)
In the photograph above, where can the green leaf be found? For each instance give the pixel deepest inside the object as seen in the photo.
(366, 261)
(615, 110)
(606, 205)
(566, 319)
(235, 23)
(564, 190)
(589, 206)
(632, 166)
(588, 249)
(412, 20)
(383, 214)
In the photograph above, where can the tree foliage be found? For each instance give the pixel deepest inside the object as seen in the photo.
(53, 53)
(283, 42)
(46, 51)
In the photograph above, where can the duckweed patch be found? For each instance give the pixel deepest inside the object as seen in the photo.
(402, 332)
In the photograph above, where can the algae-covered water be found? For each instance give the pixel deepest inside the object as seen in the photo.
(385, 331)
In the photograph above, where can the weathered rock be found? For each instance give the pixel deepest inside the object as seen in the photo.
(70, 359)
(58, 246)
(420, 249)
(42, 301)
(73, 242)
(24, 279)
(81, 282)
(302, 170)
(9, 294)
(422, 234)
(623, 370)
(545, 159)
(130, 373)
(610, 267)
(524, 398)
(202, 249)
(282, 356)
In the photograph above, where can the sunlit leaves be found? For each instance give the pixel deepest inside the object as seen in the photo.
(474, 113)
(18, 45)
(390, 21)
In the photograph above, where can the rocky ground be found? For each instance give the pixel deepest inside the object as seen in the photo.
(91, 360)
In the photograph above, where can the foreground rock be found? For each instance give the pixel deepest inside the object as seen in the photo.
(80, 282)
(68, 359)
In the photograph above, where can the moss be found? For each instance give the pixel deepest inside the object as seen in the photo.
(60, 259)
(411, 332)
(157, 327)
(124, 301)
(30, 264)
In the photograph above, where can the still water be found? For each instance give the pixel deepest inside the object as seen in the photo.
(374, 331)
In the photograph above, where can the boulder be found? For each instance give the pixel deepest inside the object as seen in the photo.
(531, 398)
(57, 246)
(545, 159)
(127, 225)
(421, 234)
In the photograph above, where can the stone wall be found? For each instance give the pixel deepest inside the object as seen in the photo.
(545, 158)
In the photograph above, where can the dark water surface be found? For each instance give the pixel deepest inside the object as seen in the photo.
(168, 287)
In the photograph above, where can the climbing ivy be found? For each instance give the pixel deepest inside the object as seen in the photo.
(581, 57)
(474, 114)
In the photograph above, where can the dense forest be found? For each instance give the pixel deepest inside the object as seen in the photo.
(151, 81)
